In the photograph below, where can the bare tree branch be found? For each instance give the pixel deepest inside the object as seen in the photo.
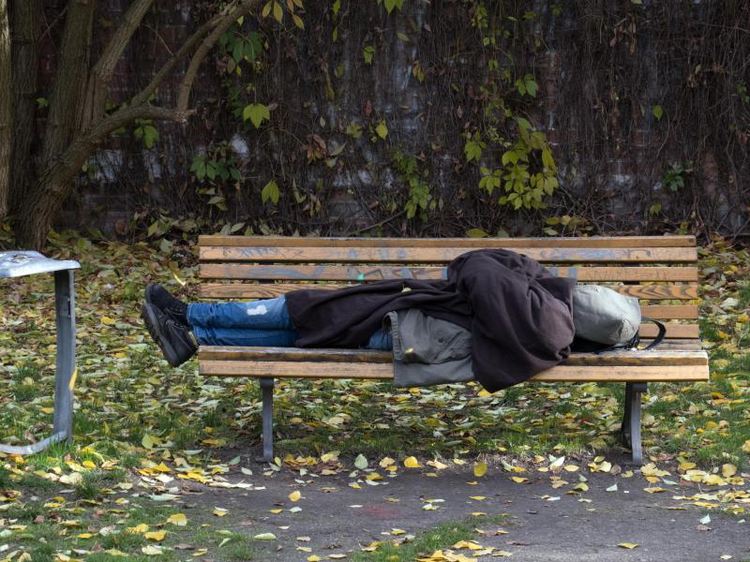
(101, 74)
(186, 86)
(181, 53)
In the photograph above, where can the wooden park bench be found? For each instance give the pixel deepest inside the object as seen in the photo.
(661, 271)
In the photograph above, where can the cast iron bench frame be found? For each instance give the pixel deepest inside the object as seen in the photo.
(656, 269)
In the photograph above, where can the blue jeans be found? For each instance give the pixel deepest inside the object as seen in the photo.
(259, 323)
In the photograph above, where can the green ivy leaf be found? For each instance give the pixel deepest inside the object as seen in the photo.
(391, 4)
(531, 86)
(368, 53)
(658, 111)
(270, 192)
(473, 150)
(256, 112)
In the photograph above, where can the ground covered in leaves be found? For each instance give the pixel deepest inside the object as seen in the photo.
(159, 454)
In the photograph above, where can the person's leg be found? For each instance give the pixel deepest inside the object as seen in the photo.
(270, 314)
(245, 337)
(380, 340)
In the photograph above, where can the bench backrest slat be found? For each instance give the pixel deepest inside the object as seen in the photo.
(325, 272)
(438, 255)
(591, 242)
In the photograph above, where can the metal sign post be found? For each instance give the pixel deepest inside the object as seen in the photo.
(17, 264)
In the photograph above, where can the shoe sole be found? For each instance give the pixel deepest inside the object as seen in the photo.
(152, 325)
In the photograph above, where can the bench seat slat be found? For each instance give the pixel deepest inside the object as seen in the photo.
(617, 358)
(384, 371)
(378, 273)
(563, 242)
(303, 254)
(269, 291)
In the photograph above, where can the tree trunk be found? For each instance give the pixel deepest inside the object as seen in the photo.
(6, 114)
(25, 36)
(41, 202)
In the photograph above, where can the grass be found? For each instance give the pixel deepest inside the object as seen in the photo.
(424, 544)
(96, 481)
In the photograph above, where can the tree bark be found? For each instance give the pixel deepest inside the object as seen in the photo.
(6, 114)
(65, 103)
(25, 36)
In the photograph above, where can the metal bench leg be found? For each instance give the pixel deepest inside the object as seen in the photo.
(631, 421)
(66, 352)
(266, 386)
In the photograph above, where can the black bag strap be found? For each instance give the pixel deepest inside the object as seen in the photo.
(633, 343)
(660, 337)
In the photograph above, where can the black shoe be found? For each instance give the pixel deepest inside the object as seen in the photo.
(176, 342)
(174, 308)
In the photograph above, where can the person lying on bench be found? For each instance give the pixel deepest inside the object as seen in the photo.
(179, 328)
(498, 318)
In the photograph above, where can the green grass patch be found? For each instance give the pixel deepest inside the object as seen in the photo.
(441, 537)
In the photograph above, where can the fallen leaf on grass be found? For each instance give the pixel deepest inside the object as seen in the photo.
(265, 537)
(155, 535)
(178, 519)
(411, 462)
(480, 469)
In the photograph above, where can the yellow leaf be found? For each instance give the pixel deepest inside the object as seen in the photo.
(382, 130)
(386, 462)
(728, 470)
(107, 320)
(278, 13)
(397, 532)
(480, 469)
(478, 498)
(275, 511)
(84, 536)
(313, 558)
(582, 486)
(147, 441)
(628, 545)
(155, 535)
(265, 537)
(654, 490)
(295, 496)
(88, 464)
(746, 446)
(138, 529)
(151, 550)
(220, 512)
(178, 519)
(329, 457)
(266, 9)
(411, 462)
(519, 479)
(471, 545)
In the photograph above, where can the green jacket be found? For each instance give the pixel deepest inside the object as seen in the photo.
(428, 350)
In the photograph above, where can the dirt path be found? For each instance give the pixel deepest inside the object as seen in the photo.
(542, 523)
